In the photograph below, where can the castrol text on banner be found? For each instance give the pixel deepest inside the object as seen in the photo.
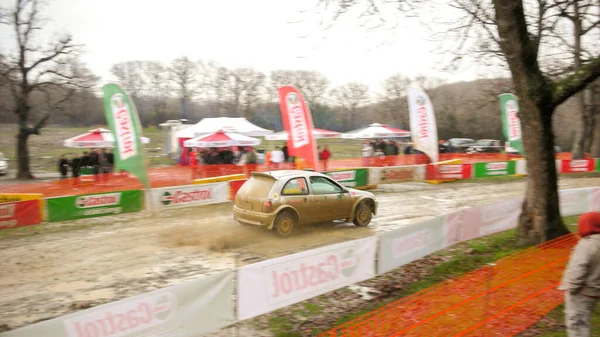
(19, 214)
(423, 127)
(269, 285)
(190, 195)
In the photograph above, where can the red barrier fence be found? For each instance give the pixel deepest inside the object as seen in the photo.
(502, 299)
(19, 214)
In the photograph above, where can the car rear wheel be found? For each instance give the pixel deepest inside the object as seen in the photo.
(284, 224)
(363, 214)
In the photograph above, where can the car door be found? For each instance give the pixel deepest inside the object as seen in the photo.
(296, 194)
(331, 200)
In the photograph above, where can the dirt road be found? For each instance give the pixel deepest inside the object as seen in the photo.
(68, 266)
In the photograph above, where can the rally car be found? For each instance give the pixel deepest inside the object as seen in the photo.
(281, 200)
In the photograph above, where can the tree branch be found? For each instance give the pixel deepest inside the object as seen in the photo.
(576, 82)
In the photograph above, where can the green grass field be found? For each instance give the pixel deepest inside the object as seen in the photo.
(48, 146)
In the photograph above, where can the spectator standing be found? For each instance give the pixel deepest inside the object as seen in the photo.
(286, 155)
(94, 161)
(324, 157)
(110, 159)
(75, 165)
(581, 278)
(85, 159)
(277, 157)
(367, 152)
(63, 166)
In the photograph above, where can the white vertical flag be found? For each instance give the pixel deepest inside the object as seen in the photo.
(423, 128)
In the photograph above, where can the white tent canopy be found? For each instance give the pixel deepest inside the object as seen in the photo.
(221, 139)
(376, 130)
(317, 133)
(238, 125)
(96, 138)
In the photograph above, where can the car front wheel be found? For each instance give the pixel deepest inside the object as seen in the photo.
(363, 214)
(284, 224)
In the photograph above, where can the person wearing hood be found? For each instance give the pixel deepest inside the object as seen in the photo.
(581, 278)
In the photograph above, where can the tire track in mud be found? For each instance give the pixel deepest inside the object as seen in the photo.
(68, 266)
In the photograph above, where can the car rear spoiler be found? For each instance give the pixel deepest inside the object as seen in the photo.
(263, 174)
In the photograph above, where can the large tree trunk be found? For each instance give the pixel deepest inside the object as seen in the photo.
(540, 219)
(577, 151)
(23, 170)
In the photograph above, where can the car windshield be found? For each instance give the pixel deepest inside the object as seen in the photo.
(321, 185)
(461, 141)
(257, 186)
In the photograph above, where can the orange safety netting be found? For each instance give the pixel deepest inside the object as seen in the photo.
(501, 299)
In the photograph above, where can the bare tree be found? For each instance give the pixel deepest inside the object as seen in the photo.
(35, 68)
(158, 88)
(351, 97)
(130, 75)
(393, 98)
(312, 84)
(505, 28)
(184, 74)
(251, 82)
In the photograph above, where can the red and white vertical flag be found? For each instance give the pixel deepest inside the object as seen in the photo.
(423, 127)
(297, 121)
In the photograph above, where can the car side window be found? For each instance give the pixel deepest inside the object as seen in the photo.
(296, 186)
(322, 185)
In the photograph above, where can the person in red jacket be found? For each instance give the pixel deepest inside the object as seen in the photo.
(324, 157)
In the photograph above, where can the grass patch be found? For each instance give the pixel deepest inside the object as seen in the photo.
(280, 327)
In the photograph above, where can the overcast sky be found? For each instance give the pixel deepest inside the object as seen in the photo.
(264, 34)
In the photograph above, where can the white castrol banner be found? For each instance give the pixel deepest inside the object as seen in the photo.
(521, 167)
(411, 243)
(452, 228)
(575, 201)
(489, 219)
(191, 308)
(189, 195)
(269, 285)
(595, 199)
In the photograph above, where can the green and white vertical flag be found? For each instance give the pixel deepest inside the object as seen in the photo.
(510, 121)
(123, 120)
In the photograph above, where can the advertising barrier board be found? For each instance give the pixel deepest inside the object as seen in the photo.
(234, 186)
(484, 220)
(449, 172)
(94, 205)
(269, 285)
(575, 201)
(452, 228)
(190, 308)
(189, 195)
(494, 169)
(597, 164)
(14, 197)
(219, 179)
(18, 214)
(354, 178)
(521, 167)
(577, 165)
(396, 174)
(594, 199)
(405, 245)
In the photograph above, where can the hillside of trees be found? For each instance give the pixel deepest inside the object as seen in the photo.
(194, 90)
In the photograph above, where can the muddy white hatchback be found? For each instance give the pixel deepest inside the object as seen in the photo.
(281, 200)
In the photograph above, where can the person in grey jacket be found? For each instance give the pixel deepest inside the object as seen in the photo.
(581, 278)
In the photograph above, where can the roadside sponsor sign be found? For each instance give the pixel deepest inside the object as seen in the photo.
(398, 174)
(575, 201)
(269, 285)
(405, 245)
(124, 122)
(577, 165)
(511, 123)
(191, 308)
(597, 164)
(14, 197)
(190, 195)
(494, 169)
(234, 186)
(298, 123)
(350, 178)
(18, 214)
(595, 199)
(423, 125)
(449, 171)
(93, 205)
(488, 219)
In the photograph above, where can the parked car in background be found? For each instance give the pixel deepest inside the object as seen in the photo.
(511, 150)
(282, 200)
(486, 146)
(454, 145)
(3, 164)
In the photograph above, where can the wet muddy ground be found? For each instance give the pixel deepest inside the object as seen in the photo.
(59, 268)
